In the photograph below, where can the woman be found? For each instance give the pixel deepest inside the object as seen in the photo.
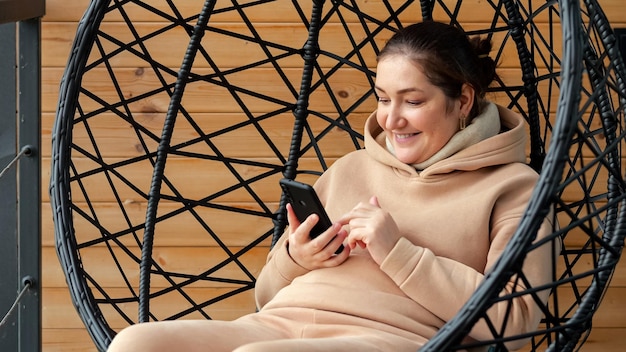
(424, 211)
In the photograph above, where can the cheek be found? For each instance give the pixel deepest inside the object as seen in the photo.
(447, 128)
(422, 121)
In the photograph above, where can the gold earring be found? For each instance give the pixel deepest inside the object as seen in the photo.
(462, 122)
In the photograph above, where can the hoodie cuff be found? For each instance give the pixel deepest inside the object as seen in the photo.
(401, 262)
(286, 267)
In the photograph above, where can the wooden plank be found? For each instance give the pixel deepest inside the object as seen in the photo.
(115, 136)
(584, 265)
(599, 340)
(348, 86)
(205, 183)
(605, 340)
(116, 268)
(183, 230)
(227, 51)
(609, 313)
(135, 82)
(275, 11)
(67, 340)
(59, 311)
(72, 11)
(272, 11)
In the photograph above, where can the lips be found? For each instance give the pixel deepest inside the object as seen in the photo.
(403, 136)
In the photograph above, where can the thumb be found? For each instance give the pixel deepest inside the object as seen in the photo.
(374, 201)
(292, 219)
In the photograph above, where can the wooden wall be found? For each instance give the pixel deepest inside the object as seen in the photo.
(62, 328)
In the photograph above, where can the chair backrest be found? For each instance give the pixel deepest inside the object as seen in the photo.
(195, 135)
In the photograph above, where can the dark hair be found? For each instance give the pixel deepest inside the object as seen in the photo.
(448, 57)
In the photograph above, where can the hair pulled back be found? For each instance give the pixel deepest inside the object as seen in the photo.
(447, 56)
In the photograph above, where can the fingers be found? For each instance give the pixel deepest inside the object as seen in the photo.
(338, 258)
(361, 210)
(299, 232)
(303, 229)
(291, 217)
(320, 251)
(364, 221)
(353, 242)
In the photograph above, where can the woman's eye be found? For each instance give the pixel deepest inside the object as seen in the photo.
(383, 100)
(414, 102)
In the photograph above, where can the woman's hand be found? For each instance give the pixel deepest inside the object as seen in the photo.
(318, 252)
(371, 227)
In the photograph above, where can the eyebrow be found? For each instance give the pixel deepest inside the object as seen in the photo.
(401, 91)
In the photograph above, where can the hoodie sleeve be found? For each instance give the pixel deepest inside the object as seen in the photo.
(430, 280)
(279, 271)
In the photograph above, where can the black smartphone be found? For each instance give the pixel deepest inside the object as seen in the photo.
(305, 202)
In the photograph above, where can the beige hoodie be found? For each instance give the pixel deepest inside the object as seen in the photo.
(456, 217)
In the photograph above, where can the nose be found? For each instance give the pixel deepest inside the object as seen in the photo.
(394, 119)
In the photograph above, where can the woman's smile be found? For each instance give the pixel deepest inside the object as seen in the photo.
(404, 137)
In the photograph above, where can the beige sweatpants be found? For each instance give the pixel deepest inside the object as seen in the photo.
(275, 330)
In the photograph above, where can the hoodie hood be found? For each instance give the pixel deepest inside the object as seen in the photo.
(503, 148)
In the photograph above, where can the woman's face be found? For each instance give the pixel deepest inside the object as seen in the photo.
(414, 113)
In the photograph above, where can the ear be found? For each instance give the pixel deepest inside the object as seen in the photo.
(466, 99)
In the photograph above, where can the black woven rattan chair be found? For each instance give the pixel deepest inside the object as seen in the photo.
(216, 108)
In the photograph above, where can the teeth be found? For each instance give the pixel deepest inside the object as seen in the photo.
(402, 136)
